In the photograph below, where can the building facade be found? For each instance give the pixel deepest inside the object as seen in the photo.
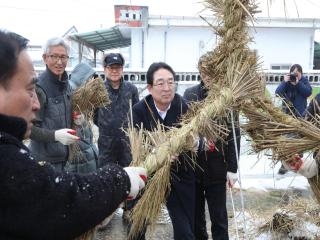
(180, 41)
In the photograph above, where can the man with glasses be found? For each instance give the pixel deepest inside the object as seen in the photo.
(113, 144)
(36, 201)
(165, 106)
(52, 133)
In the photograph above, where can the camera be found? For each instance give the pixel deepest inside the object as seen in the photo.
(293, 77)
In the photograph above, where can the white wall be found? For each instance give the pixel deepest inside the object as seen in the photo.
(136, 49)
(285, 45)
(154, 45)
(181, 47)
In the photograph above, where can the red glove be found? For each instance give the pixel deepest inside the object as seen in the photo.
(307, 167)
(78, 118)
(209, 145)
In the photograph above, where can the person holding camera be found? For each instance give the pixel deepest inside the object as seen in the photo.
(294, 90)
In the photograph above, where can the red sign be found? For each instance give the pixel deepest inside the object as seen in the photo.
(131, 16)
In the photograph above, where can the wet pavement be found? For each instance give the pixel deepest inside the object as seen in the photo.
(254, 200)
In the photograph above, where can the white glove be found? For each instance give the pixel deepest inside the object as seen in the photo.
(307, 168)
(66, 136)
(78, 118)
(138, 177)
(232, 178)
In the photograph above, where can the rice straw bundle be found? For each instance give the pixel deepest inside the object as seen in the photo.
(285, 135)
(270, 128)
(292, 215)
(233, 71)
(315, 187)
(85, 100)
(88, 97)
(142, 143)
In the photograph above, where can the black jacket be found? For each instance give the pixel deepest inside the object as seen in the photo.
(215, 164)
(145, 112)
(39, 203)
(111, 120)
(55, 113)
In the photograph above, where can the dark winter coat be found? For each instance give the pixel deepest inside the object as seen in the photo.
(215, 164)
(295, 95)
(55, 113)
(111, 120)
(39, 203)
(180, 201)
(145, 112)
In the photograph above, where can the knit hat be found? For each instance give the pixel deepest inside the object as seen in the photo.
(80, 74)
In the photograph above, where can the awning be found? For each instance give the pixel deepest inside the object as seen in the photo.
(104, 39)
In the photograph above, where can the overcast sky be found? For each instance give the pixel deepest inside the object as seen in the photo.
(39, 20)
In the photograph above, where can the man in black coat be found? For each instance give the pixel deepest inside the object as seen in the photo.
(36, 201)
(166, 107)
(113, 143)
(218, 165)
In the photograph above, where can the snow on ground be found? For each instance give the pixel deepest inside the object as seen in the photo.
(259, 172)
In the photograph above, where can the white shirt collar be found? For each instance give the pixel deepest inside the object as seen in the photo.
(162, 114)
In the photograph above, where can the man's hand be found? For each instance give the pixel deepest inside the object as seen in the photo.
(286, 78)
(232, 178)
(78, 118)
(307, 167)
(66, 136)
(138, 177)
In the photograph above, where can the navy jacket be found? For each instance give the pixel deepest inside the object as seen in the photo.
(215, 164)
(295, 95)
(39, 203)
(145, 112)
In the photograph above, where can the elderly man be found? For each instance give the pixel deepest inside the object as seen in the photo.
(36, 201)
(163, 105)
(52, 133)
(112, 143)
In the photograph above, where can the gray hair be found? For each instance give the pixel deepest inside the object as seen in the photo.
(56, 41)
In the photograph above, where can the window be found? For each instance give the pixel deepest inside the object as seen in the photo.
(280, 66)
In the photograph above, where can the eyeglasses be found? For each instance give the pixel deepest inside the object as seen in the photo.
(161, 84)
(55, 58)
